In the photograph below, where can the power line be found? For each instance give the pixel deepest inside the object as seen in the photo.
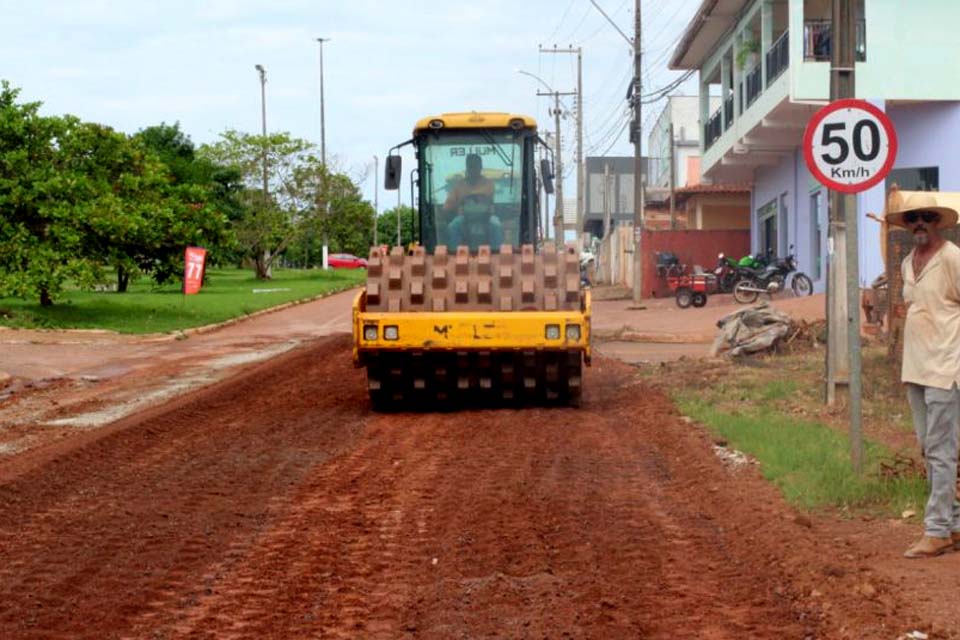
(562, 18)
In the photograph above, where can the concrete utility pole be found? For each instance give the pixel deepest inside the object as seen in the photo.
(673, 180)
(843, 286)
(376, 205)
(606, 200)
(263, 118)
(323, 160)
(558, 207)
(557, 112)
(581, 179)
(546, 197)
(638, 178)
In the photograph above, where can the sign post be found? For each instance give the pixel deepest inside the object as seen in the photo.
(849, 146)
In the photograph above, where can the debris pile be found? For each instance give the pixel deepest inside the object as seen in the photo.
(732, 458)
(758, 328)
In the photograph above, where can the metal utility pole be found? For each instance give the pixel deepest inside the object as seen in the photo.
(638, 178)
(581, 179)
(323, 160)
(376, 190)
(263, 118)
(843, 286)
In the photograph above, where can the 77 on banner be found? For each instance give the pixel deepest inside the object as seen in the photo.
(850, 145)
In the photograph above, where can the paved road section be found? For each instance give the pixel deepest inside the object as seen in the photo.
(276, 505)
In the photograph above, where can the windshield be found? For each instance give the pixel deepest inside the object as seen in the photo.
(471, 188)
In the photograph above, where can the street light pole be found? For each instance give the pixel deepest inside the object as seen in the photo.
(265, 270)
(581, 188)
(323, 162)
(376, 205)
(557, 112)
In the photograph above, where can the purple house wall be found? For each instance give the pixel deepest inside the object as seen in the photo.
(921, 129)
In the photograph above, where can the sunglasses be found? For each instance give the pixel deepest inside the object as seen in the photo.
(911, 217)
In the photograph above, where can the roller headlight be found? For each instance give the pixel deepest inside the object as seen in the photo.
(553, 332)
(391, 332)
(573, 332)
(370, 332)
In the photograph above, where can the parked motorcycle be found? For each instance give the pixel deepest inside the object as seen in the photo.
(772, 279)
(729, 271)
(586, 260)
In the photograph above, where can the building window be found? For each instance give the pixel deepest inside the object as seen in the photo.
(816, 241)
(767, 225)
(915, 179)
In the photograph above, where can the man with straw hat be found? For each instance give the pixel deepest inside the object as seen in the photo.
(931, 358)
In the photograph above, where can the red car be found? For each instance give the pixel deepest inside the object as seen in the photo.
(346, 261)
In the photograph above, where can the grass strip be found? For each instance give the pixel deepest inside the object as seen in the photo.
(147, 308)
(808, 461)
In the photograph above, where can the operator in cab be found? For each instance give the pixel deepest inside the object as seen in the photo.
(471, 200)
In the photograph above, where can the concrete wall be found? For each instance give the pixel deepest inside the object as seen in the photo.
(724, 216)
(691, 247)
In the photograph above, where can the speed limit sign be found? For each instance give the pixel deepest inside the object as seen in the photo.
(850, 145)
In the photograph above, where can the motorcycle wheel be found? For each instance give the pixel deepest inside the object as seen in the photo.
(699, 299)
(727, 282)
(802, 285)
(742, 293)
(684, 297)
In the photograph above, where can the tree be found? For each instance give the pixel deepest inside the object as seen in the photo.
(77, 196)
(306, 200)
(47, 205)
(268, 223)
(409, 226)
(197, 180)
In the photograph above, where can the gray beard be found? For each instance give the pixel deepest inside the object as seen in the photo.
(921, 238)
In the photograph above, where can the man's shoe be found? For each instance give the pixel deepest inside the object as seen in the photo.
(955, 536)
(930, 546)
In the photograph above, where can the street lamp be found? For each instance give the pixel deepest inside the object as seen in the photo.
(263, 116)
(323, 159)
(537, 78)
(376, 206)
(556, 112)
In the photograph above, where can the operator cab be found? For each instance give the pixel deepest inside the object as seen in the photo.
(476, 181)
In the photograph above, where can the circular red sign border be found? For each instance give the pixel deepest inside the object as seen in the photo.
(837, 105)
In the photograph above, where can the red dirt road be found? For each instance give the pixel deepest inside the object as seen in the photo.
(275, 504)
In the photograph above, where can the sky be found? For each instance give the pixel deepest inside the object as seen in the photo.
(132, 64)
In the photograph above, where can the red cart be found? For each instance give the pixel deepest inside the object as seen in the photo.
(690, 289)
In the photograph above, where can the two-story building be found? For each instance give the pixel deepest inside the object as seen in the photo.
(769, 63)
(681, 115)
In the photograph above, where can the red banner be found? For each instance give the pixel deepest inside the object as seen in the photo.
(193, 265)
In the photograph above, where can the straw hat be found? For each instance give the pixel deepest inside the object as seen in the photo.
(919, 201)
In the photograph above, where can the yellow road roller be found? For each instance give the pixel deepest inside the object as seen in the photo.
(479, 310)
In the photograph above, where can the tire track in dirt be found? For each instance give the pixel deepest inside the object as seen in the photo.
(126, 523)
(276, 505)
